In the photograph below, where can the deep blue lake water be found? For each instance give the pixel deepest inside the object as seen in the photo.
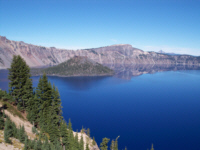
(161, 108)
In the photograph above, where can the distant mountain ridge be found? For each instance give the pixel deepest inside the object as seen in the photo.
(163, 52)
(123, 54)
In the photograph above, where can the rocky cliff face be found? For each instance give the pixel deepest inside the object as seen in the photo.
(37, 56)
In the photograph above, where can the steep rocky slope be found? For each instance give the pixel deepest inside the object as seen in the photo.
(22, 121)
(37, 56)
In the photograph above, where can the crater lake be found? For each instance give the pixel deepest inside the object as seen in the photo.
(161, 108)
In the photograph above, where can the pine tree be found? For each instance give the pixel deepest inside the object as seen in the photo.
(104, 144)
(88, 132)
(112, 145)
(26, 144)
(56, 105)
(44, 93)
(18, 75)
(35, 145)
(22, 134)
(1, 120)
(14, 130)
(116, 143)
(7, 131)
(45, 145)
(14, 78)
(81, 145)
(152, 147)
(71, 136)
(27, 94)
(33, 110)
(76, 143)
(87, 147)
(65, 135)
(93, 141)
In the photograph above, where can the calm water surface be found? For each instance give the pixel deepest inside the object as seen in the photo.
(161, 108)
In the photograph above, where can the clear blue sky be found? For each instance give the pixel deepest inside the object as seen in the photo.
(151, 25)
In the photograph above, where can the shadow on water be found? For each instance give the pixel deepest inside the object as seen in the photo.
(79, 83)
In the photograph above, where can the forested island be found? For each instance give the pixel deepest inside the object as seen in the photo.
(76, 66)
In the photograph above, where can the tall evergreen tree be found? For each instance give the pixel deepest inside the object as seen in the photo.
(26, 144)
(88, 132)
(27, 94)
(81, 145)
(18, 75)
(71, 136)
(104, 144)
(65, 135)
(116, 143)
(35, 145)
(56, 105)
(93, 141)
(33, 110)
(112, 145)
(76, 143)
(22, 134)
(7, 131)
(14, 78)
(1, 120)
(44, 95)
(87, 147)
(152, 147)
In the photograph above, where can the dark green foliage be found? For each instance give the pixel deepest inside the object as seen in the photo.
(21, 134)
(71, 136)
(104, 144)
(43, 101)
(12, 131)
(47, 108)
(8, 131)
(65, 135)
(26, 144)
(112, 145)
(33, 109)
(36, 145)
(7, 97)
(116, 143)
(87, 147)
(88, 132)
(56, 105)
(93, 141)
(46, 145)
(34, 130)
(81, 145)
(1, 120)
(2, 93)
(15, 131)
(19, 73)
(76, 143)
(27, 94)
